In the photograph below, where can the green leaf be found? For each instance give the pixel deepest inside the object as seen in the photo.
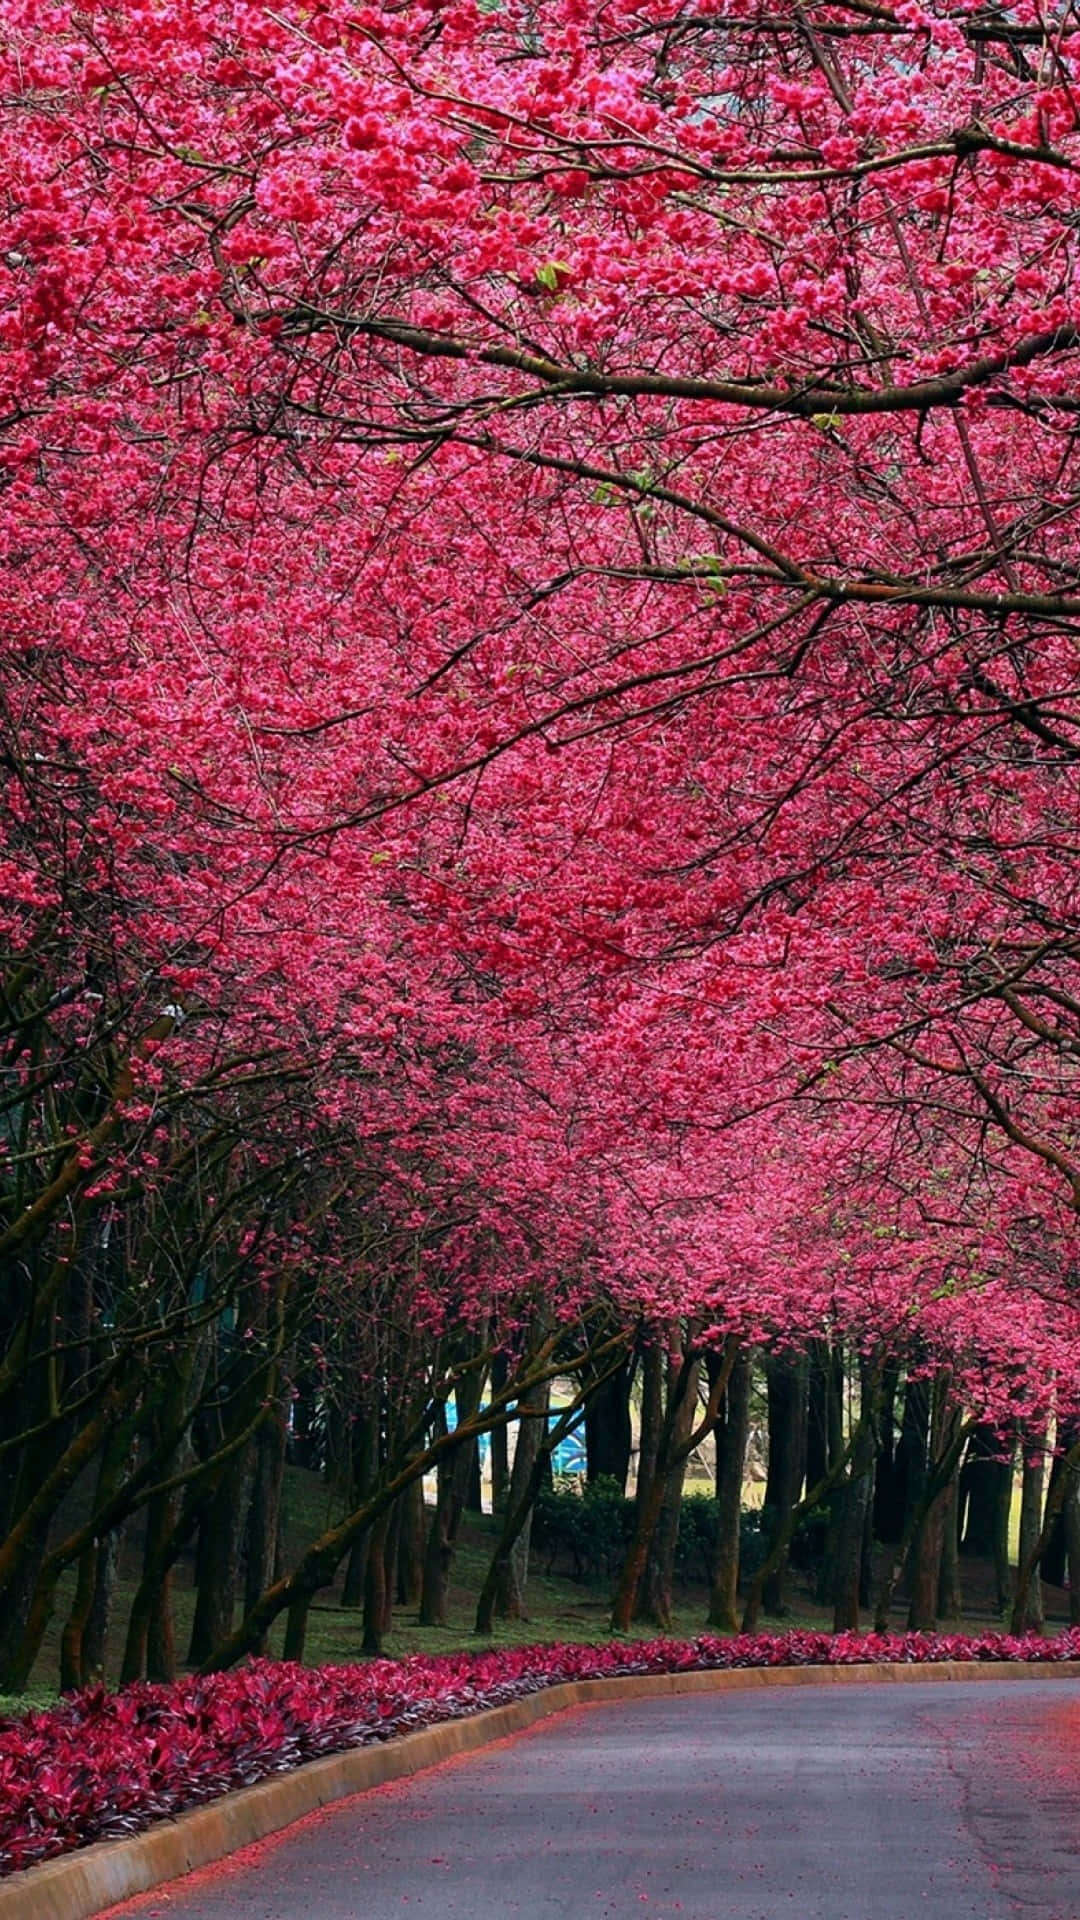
(550, 274)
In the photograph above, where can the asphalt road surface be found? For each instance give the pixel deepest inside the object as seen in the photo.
(915, 1802)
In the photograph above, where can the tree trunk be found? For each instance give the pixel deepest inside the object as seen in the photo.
(652, 1416)
(453, 1485)
(365, 1466)
(296, 1623)
(15, 1614)
(1033, 1545)
(354, 1584)
(161, 1632)
(825, 1408)
(474, 1498)
(608, 1432)
(95, 1639)
(514, 1567)
(500, 1461)
(811, 1499)
(950, 1598)
(221, 1536)
(152, 1602)
(657, 1455)
(928, 1546)
(264, 1514)
(985, 1494)
(935, 1482)
(1052, 1564)
(852, 1503)
(82, 1645)
(1071, 1506)
(376, 1585)
(656, 1591)
(913, 1449)
(390, 1555)
(410, 1562)
(786, 1381)
(985, 1501)
(1029, 1603)
(888, 1518)
(866, 1564)
(731, 1437)
(71, 1638)
(517, 1518)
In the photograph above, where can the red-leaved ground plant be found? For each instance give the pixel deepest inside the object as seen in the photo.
(100, 1766)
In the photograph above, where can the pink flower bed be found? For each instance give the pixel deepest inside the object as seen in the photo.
(100, 1765)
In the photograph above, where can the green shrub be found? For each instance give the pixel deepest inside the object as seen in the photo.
(585, 1530)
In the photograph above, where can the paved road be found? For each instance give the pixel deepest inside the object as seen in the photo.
(916, 1802)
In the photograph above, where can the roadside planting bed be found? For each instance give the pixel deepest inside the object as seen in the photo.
(104, 1765)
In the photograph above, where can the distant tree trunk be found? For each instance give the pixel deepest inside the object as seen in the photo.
(410, 1562)
(649, 1491)
(888, 1519)
(150, 1650)
(265, 1510)
(810, 1501)
(377, 1585)
(662, 1464)
(71, 1638)
(15, 1614)
(500, 1459)
(296, 1624)
(354, 1585)
(390, 1555)
(866, 1564)
(825, 1441)
(503, 1580)
(950, 1598)
(986, 1483)
(851, 1504)
(514, 1566)
(339, 1445)
(95, 1641)
(732, 1432)
(935, 1481)
(928, 1546)
(221, 1538)
(474, 1498)
(656, 1590)
(913, 1449)
(825, 1408)
(82, 1644)
(365, 1465)
(1052, 1564)
(1071, 1506)
(1029, 1602)
(453, 1484)
(608, 1433)
(786, 1383)
(652, 1415)
(1027, 1605)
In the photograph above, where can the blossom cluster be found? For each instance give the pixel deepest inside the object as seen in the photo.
(101, 1766)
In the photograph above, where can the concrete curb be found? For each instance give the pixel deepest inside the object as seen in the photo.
(81, 1884)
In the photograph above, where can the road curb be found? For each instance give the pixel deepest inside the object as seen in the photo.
(78, 1885)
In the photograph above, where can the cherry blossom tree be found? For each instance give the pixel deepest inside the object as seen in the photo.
(539, 696)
